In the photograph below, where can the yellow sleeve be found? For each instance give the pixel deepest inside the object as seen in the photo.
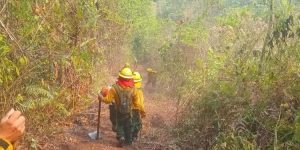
(110, 96)
(9, 147)
(141, 102)
(135, 101)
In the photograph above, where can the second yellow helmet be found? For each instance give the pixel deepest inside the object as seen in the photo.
(137, 77)
(126, 73)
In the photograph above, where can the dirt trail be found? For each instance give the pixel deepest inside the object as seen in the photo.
(160, 116)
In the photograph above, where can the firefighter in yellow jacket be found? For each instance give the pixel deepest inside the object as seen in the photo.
(152, 77)
(137, 114)
(125, 96)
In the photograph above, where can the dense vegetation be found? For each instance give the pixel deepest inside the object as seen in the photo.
(239, 70)
(236, 63)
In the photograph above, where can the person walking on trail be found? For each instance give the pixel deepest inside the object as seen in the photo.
(125, 96)
(151, 83)
(112, 105)
(137, 114)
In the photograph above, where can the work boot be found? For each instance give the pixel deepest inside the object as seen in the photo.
(134, 139)
(114, 129)
(121, 142)
(128, 143)
(135, 136)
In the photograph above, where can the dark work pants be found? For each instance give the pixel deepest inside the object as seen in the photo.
(124, 127)
(136, 123)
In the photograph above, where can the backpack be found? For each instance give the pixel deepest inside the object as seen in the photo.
(125, 97)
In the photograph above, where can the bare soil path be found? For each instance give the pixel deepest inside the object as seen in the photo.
(155, 136)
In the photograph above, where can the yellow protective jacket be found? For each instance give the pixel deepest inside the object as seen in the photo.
(138, 86)
(113, 97)
(5, 145)
(141, 101)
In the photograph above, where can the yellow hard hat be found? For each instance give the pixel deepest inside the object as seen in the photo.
(137, 77)
(149, 69)
(126, 73)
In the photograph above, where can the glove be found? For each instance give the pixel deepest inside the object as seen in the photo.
(104, 91)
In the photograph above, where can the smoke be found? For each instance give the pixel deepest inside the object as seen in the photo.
(179, 9)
